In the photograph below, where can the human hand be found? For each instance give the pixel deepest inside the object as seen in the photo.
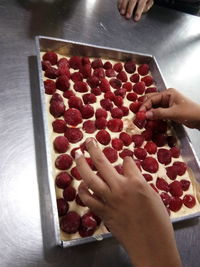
(170, 104)
(138, 7)
(129, 207)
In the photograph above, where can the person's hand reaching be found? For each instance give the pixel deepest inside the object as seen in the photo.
(129, 207)
(137, 7)
(170, 104)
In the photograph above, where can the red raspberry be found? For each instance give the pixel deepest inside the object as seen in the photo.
(70, 222)
(122, 76)
(45, 65)
(118, 101)
(149, 164)
(143, 69)
(63, 179)
(151, 147)
(126, 139)
(125, 110)
(62, 83)
(69, 193)
(165, 198)
(148, 177)
(106, 104)
(147, 134)
(151, 90)
(138, 123)
(51, 57)
(73, 151)
(99, 73)
(61, 144)
(162, 184)
(101, 123)
(115, 125)
(75, 173)
(103, 137)
(85, 60)
(89, 98)
(139, 88)
(97, 63)
(64, 70)
(171, 172)
(135, 78)
(56, 98)
(75, 62)
(117, 144)
(51, 73)
(110, 73)
(164, 156)
(104, 85)
(57, 108)
(88, 221)
(154, 188)
(115, 83)
(75, 102)
(121, 92)
(50, 87)
(128, 86)
(119, 169)
(73, 135)
(67, 94)
(86, 70)
(107, 65)
(130, 66)
(175, 152)
(160, 126)
(151, 125)
(159, 139)
(141, 98)
(134, 107)
(148, 80)
(171, 140)
(59, 126)
(80, 87)
(185, 184)
(63, 162)
(73, 116)
(85, 232)
(93, 81)
(63, 62)
(131, 97)
(77, 77)
(96, 91)
(175, 204)
(126, 153)
(181, 167)
(175, 189)
(110, 153)
(140, 153)
(141, 115)
(89, 126)
(79, 201)
(189, 201)
(110, 95)
(137, 140)
(100, 112)
(87, 111)
(62, 206)
(116, 113)
(118, 67)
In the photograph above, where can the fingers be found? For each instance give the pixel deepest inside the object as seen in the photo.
(130, 8)
(93, 203)
(156, 99)
(140, 7)
(149, 5)
(130, 169)
(161, 113)
(123, 6)
(106, 170)
(94, 182)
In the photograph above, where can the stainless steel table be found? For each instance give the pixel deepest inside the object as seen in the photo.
(173, 37)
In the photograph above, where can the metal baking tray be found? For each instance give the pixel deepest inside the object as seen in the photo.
(70, 48)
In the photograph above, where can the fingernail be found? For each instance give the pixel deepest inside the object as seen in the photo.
(136, 17)
(91, 140)
(143, 108)
(78, 154)
(149, 114)
(128, 15)
(122, 11)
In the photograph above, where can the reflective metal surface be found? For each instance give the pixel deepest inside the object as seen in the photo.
(172, 37)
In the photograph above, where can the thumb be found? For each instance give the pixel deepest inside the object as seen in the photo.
(159, 113)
